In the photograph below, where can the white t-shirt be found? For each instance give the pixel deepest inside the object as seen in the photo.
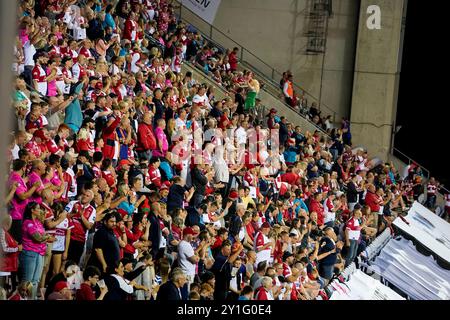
(186, 251)
(60, 235)
(28, 51)
(241, 136)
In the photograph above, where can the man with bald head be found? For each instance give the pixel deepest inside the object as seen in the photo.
(81, 216)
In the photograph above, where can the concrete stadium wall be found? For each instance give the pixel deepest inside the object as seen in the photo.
(377, 76)
(274, 31)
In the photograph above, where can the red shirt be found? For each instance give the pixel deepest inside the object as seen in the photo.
(39, 73)
(373, 201)
(318, 208)
(85, 293)
(155, 176)
(290, 177)
(79, 231)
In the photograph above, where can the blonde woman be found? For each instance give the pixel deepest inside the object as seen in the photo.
(171, 129)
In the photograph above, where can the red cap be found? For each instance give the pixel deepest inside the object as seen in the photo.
(99, 85)
(189, 230)
(273, 110)
(59, 286)
(265, 225)
(122, 212)
(163, 187)
(124, 162)
(292, 140)
(233, 195)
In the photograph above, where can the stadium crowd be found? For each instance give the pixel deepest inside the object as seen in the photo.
(129, 180)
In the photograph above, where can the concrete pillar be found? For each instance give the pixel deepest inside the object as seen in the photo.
(377, 75)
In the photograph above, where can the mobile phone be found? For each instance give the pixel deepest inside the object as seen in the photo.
(79, 166)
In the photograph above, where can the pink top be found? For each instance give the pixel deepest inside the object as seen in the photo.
(51, 85)
(23, 36)
(29, 228)
(31, 180)
(17, 206)
(161, 136)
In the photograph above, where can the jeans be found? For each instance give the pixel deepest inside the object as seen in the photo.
(351, 253)
(31, 266)
(28, 75)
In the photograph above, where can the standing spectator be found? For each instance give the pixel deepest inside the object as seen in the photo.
(222, 268)
(162, 145)
(432, 188)
(21, 196)
(288, 91)
(329, 248)
(146, 138)
(263, 245)
(106, 246)
(171, 290)
(233, 59)
(353, 234)
(188, 259)
(81, 217)
(34, 241)
(9, 250)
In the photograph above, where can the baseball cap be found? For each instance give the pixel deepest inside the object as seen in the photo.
(124, 162)
(357, 207)
(59, 286)
(190, 231)
(233, 195)
(163, 187)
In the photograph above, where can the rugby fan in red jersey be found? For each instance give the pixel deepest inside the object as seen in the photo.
(81, 217)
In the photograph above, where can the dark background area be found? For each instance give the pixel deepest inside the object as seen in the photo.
(425, 88)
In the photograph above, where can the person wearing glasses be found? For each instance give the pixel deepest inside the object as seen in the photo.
(34, 241)
(91, 276)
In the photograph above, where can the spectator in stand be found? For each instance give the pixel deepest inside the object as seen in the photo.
(133, 123)
(233, 59)
(9, 250)
(90, 276)
(106, 245)
(34, 245)
(432, 189)
(288, 91)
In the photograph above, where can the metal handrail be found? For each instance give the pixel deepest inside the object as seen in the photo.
(410, 161)
(272, 79)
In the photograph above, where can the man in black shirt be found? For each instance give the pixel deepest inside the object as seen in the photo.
(222, 269)
(160, 109)
(327, 255)
(106, 246)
